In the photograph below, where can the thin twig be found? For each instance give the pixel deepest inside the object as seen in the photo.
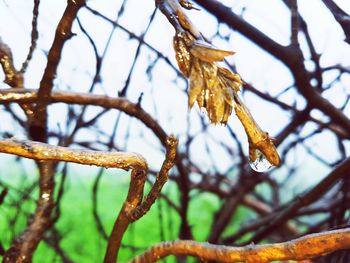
(34, 36)
(342, 18)
(294, 22)
(309, 197)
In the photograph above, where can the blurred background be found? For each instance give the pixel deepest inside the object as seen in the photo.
(124, 48)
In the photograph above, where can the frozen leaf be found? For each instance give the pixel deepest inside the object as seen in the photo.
(210, 85)
(196, 83)
(216, 89)
(208, 52)
(182, 56)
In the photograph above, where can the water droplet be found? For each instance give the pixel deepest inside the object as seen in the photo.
(261, 164)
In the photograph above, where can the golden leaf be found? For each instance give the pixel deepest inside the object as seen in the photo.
(208, 52)
(196, 83)
(201, 98)
(182, 55)
(219, 104)
(233, 80)
(210, 85)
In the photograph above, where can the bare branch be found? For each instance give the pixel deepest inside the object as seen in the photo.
(161, 179)
(34, 36)
(295, 22)
(305, 247)
(342, 18)
(29, 96)
(37, 125)
(42, 151)
(133, 208)
(12, 76)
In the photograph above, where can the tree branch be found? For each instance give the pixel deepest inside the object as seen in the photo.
(34, 36)
(342, 18)
(305, 247)
(133, 208)
(46, 152)
(294, 23)
(38, 121)
(12, 77)
(132, 109)
(23, 247)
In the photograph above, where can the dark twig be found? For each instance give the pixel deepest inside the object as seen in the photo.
(295, 23)
(309, 197)
(34, 36)
(3, 195)
(342, 18)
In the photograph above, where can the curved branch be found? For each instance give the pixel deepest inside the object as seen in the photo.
(132, 208)
(13, 77)
(161, 179)
(24, 246)
(122, 104)
(43, 151)
(302, 248)
(132, 109)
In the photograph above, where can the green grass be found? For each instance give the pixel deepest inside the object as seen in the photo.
(81, 239)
